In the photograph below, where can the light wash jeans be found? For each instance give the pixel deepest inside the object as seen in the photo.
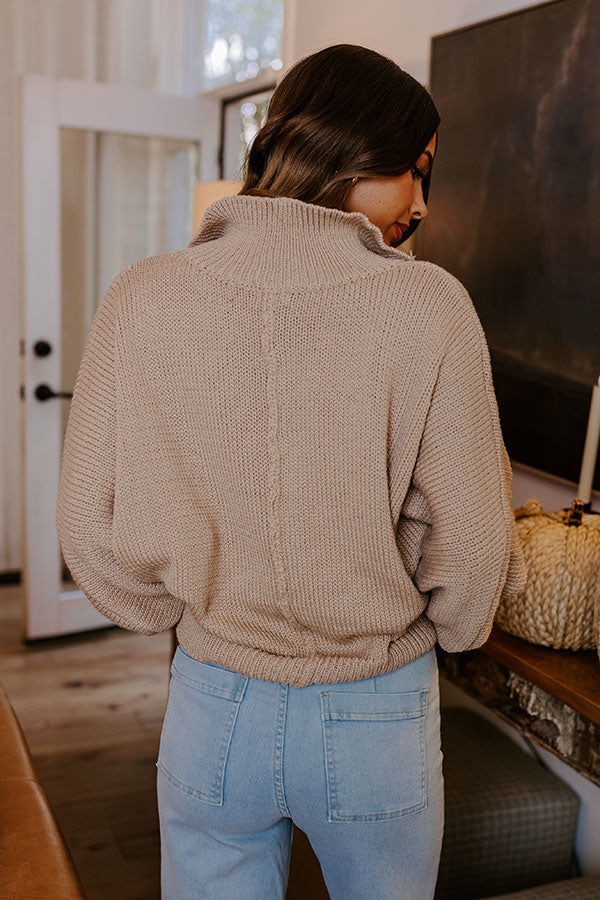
(357, 765)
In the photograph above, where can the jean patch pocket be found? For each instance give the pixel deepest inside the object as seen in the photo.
(375, 760)
(198, 727)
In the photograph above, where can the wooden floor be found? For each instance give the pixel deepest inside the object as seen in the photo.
(91, 707)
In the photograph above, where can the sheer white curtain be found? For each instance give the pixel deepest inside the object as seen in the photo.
(113, 186)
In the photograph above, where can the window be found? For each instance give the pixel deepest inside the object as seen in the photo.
(240, 39)
(242, 118)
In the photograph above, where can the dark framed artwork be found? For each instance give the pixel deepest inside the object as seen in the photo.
(514, 213)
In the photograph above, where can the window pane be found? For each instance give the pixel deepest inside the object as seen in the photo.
(240, 39)
(123, 197)
(243, 118)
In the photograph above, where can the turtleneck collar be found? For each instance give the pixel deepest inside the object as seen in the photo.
(285, 241)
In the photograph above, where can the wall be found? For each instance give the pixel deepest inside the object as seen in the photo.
(402, 29)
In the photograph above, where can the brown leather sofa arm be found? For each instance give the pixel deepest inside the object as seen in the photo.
(34, 858)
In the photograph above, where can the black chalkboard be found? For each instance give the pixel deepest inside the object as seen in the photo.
(514, 213)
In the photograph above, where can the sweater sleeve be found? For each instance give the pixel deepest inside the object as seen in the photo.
(84, 511)
(460, 498)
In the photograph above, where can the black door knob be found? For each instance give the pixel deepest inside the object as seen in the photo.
(42, 348)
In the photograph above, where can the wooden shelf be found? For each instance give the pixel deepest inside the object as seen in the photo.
(572, 676)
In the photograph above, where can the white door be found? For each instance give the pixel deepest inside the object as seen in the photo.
(130, 195)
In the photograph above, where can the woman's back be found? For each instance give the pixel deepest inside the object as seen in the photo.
(295, 404)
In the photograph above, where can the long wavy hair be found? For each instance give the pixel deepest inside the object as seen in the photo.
(343, 112)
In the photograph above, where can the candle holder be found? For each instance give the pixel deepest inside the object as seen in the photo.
(560, 604)
(577, 507)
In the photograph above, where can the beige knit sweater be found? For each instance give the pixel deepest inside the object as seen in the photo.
(284, 440)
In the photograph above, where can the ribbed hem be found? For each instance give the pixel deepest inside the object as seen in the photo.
(301, 671)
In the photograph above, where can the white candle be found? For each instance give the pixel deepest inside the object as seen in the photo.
(590, 450)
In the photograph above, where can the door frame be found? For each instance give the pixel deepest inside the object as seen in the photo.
(48, 105)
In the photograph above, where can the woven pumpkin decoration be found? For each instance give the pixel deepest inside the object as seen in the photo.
(560, 604)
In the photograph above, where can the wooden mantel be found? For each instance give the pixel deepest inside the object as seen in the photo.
(551, 696)
(572, 676)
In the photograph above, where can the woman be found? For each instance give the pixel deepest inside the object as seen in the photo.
(284, 441)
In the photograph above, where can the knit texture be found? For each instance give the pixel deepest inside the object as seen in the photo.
(284, 440)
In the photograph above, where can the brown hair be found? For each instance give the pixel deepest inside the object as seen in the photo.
(343, 112)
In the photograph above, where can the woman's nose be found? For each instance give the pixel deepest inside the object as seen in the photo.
(418, 207)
